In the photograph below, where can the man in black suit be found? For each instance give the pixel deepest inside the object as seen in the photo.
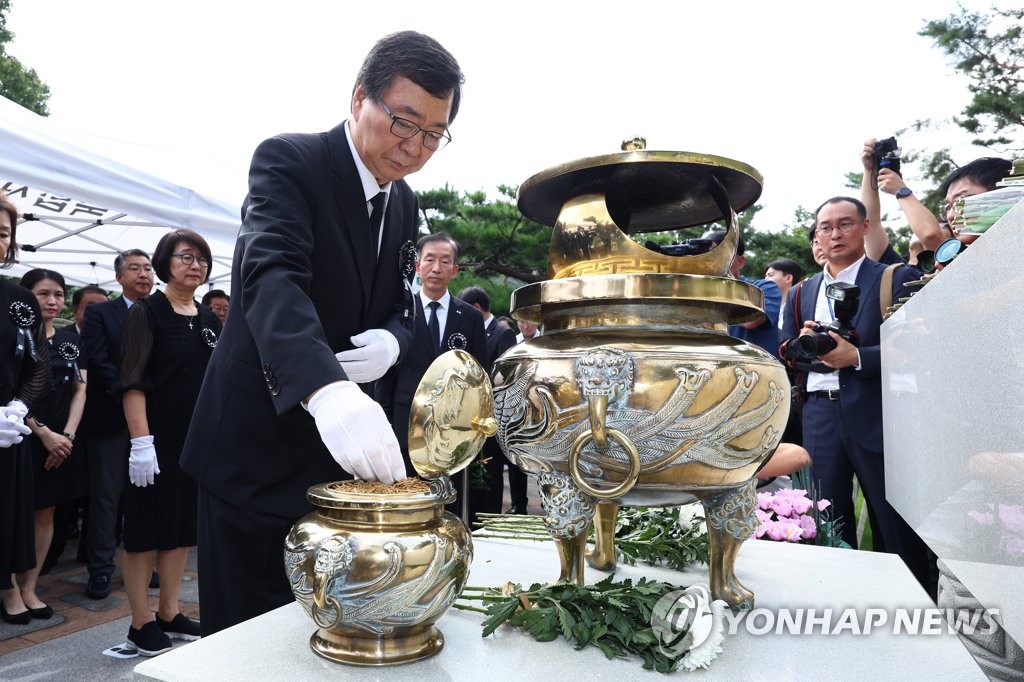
(842, 415)
(319, 305)
(103, 432)
(499, 339)
(443, 322)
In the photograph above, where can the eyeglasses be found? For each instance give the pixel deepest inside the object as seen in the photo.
(844, 226)
(189, 259)
(406, 129)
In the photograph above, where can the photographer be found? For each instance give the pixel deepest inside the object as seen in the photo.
(884, 174)
(842, 415)
(762, 332)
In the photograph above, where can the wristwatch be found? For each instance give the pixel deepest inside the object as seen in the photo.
(903, 192)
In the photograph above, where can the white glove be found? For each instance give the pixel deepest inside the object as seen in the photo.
(17, 409)
(142, 466)
(12, 423)
(356, 431)
(376, 350)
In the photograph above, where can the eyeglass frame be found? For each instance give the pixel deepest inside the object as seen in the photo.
(203, 263)
(849, 227)
(443, 139)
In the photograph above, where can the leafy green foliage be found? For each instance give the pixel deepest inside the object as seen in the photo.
(613, 616)
(656, 536)
(18, 83)
(987, 49)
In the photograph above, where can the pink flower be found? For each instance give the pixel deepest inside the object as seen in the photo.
(762, 516)
(762, 528)
(810, 531)
(823, 505)
(764, 500)
(784, 530)
(801, 505)
(1012, 518)
(782, 506)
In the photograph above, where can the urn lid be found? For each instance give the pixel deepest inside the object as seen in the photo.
(451, 415)
(646, 190)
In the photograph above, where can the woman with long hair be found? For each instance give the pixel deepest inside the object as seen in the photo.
(59, 478)
(165, 347)
(24, 381)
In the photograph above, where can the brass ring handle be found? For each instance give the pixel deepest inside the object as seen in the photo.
(631, 476)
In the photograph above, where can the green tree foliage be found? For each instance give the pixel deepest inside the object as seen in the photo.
(497, 241)
(789, 242)
(18, 83)
(988, 49)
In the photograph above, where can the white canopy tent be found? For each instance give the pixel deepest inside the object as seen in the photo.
(80, 204)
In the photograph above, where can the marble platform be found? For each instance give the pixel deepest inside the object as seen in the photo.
(275, 645)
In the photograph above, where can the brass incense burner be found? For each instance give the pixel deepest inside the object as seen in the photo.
(636, 394)
(376, 571)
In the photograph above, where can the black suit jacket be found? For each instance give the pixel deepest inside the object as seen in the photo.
(860, 390)
(101, 346)
(499, 339)
(395, 390)
(303, 282)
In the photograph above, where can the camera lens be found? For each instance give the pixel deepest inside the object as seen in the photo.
(812, 345)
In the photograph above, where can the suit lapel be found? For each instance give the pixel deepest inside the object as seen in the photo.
(348, 195)
(453, 324)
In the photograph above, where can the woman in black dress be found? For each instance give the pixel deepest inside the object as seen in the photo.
(59, 478)
(166, 345)
(24, 380)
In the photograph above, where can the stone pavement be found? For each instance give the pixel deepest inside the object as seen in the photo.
(70, 645)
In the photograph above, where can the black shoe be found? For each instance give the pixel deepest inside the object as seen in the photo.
(150, 640)
(42, 613)
(516, 510)
(98, 587)
(154, 581)
(180, 627)
(23, 618)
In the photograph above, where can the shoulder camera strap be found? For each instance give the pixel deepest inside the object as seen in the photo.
(885, 288)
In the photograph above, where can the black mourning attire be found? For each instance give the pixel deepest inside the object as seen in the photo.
(69, 480)
(164, 358)
(27, 379)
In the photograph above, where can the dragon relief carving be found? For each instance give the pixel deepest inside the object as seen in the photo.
(320, 579)
(664, 437)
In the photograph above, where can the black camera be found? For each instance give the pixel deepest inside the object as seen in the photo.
(887, 155)
(691, 247)
(803, 351)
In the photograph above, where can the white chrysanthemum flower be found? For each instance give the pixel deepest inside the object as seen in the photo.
(688, 512)
(701, 655)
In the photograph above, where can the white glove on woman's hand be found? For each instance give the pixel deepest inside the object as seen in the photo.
(356, 431)
(12, 423)
(376, 350)
(142, 465)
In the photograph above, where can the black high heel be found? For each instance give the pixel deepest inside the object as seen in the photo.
(42, 613)
(23, 618)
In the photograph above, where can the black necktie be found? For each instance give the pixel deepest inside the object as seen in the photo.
(434, 327)
(376, 219)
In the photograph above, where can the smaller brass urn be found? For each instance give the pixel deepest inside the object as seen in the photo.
(376, 571)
